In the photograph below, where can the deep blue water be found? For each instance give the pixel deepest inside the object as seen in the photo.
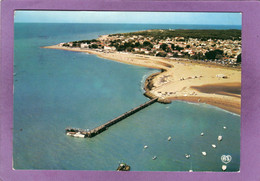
(54, 89)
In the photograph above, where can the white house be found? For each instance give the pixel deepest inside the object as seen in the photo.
(156, 46)
(107, 48)
(84, 45)
(136, 49)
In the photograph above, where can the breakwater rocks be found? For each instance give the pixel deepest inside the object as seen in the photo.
(149, 85)
(160, 100)
(164, 101)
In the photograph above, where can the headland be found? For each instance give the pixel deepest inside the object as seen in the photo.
(180, 78)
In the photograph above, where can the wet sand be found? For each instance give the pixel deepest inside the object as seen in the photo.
(231, 89)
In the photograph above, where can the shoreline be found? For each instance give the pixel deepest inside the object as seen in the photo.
(180, 80)
(223, 101)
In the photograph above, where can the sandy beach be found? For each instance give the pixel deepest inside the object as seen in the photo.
(182, 80)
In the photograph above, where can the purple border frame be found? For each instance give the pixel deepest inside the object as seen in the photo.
(250, 127)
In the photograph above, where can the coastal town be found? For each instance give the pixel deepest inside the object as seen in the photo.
(195, 65)
(225, 50)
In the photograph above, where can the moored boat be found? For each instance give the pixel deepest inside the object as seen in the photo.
(220, 138)
(78, 135)
(123, 167)
(74, 132)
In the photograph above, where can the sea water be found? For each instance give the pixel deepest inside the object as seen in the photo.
(55, 89)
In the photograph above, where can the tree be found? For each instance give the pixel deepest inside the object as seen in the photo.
(94, 46)
(147, 44)
(178, 48)
(129, 49)
(215, 54)
(164, 47)
(120, 48)
(239, 59)
(75, 44)
(137, 45)
(219, 56)
(66, 45)
(172, 46)
(210, 55)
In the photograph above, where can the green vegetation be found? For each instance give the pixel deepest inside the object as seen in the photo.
(239, 59)
(86, 41)
(147, 44)
(93, 46)
(164, 47)
(200, 34)
(220, 46)
(216, 54)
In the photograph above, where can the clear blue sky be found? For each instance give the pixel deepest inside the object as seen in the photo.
(129, 17)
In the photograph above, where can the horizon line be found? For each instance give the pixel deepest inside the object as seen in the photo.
(131, 23)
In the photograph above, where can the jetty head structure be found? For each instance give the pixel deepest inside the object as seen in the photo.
(76, 132)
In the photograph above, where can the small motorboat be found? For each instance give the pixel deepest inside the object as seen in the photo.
(220, 138)
(169, 138)
(204, 153)
(70, 133)
(155, 157)
(79, 135)
(123, 167)
(187, 156)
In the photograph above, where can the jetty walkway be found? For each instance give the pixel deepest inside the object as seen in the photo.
(105, 126)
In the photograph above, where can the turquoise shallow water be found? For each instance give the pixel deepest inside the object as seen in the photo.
(54, 89)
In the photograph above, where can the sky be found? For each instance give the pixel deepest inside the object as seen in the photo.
(128, 17)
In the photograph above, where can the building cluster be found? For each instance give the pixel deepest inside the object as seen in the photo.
(226, 51)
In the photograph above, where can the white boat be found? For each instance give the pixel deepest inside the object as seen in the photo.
(169, 138)
(145, 146)
(224, 167)
(154, 157)
(201, 134)
(214, 146)
(219, 138)
(79, 135)
(224, 127)
(204, 153)
(70, 133)
(187, 156)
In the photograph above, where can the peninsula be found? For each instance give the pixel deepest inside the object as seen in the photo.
(195, 65)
